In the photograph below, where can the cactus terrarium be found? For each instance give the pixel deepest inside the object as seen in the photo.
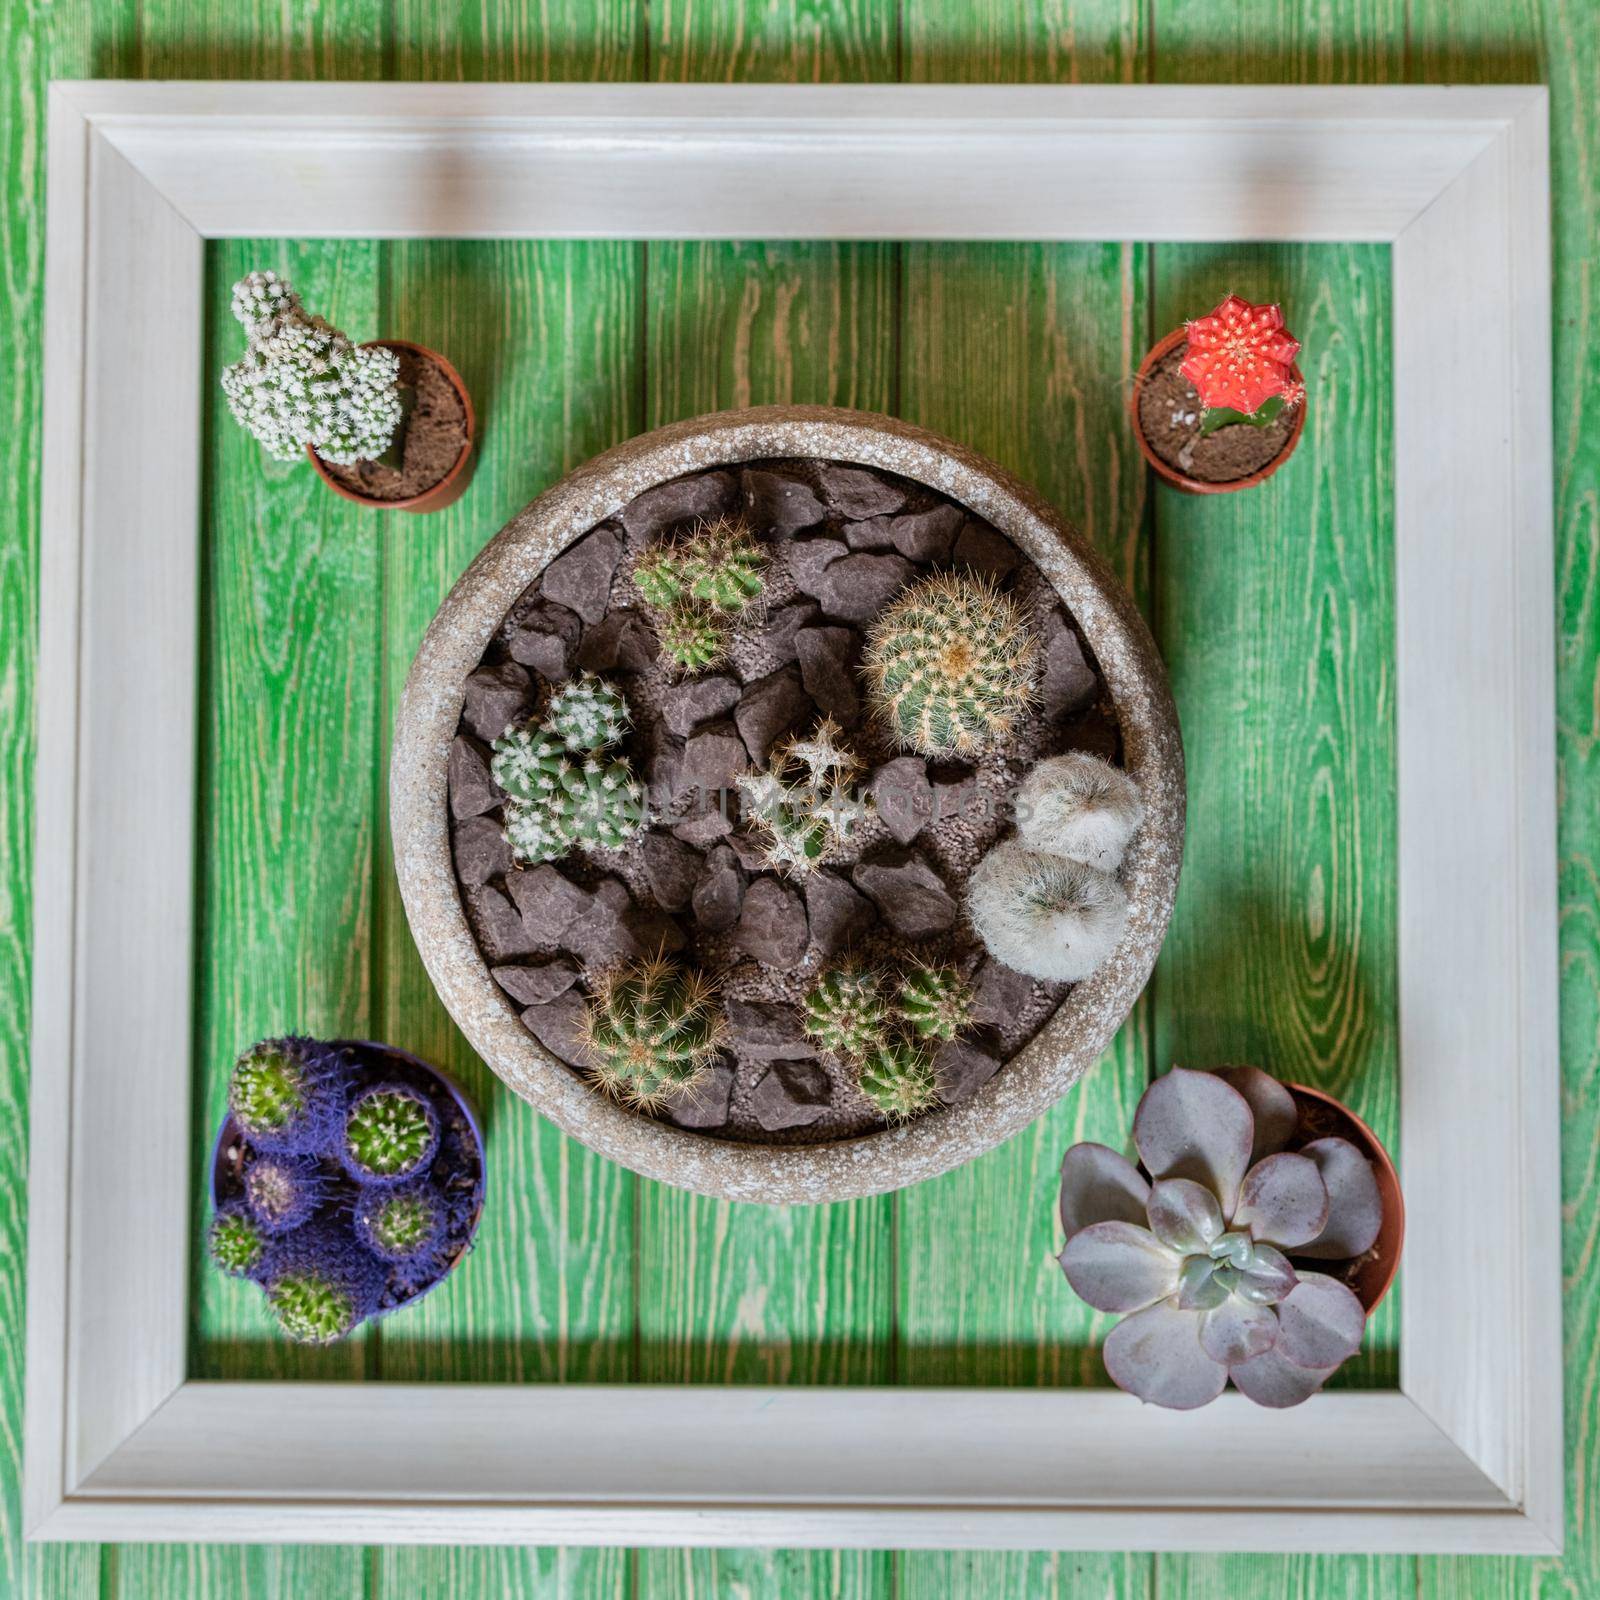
(366, 1194)
(386, 424)
(788, 805)
(1219, 403)
(1234, 1251)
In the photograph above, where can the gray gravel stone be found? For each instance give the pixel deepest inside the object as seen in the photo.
(538, 984)
(1069, 681)
(769, 708)
(481, 851)
(706, 1104)
(684, 706)
(1000, 995)
(772, 925)
(672, 868)
(981, 549)
(558, 1026)
(706, 824)
(857, 587)
(854, 492)
(622, 641)
(827, 669)
(719, 893)
(661, 772)
(961, 1069)
(808, 559)
(926, 536)
(548, 902)
(763, 1030)
(699, 498)
(873, 534)
(472, 790)
(790, 1095)
(543, 635)
(778, 637)
(501, 933)
(904, 796)
(779, 503)
(838, 913)
(495, 698)
(909, 894)
(712, 760)
(581, 577)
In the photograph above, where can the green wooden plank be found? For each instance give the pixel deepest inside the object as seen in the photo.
(546, 337)
(37, 44)
(740, 1293)
(1557, 42)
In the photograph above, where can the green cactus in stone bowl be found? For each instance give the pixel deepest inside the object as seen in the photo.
(936, 1001)
(600, 805)
(724, 566)
(587, 715)
(845, 1012)
(693, 638)
(652, 1029)
(898, 1078)
(951, 666)
(528, 763)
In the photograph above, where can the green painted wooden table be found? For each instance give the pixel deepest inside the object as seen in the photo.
(1274, 610)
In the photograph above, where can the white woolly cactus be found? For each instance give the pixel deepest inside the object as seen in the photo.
(301, 382)
(1197, 1258)
(587, 715)
(1080, 807)
(1043, 915)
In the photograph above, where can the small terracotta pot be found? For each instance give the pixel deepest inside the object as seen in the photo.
(1180, 480)
(454, 483)
(1376, 1271)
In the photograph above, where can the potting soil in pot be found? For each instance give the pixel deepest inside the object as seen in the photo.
(842, 541)
(1170, 414)
(436, 433)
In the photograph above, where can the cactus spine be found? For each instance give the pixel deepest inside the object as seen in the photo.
(286, 1095)
(845, 1012)
(401, 1225)
(390, 1134)
(652, 1029)
(283, 1191)
(951, 665)
(802, 803)
(724, 566)
(898, 1078)
(936, 1002)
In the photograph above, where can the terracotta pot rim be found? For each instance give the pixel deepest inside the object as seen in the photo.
(436, 495)
(1394, 1203)
(1181, 480)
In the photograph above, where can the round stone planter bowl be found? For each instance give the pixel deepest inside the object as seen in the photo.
(1074, 1036)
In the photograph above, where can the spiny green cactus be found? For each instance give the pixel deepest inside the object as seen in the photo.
(898, 1078)
(390, 1133)
(936, 1001)
(600, 805)
(720, 565)
(658, 576)
(282, 1190)
(321, 1283)
(845, 1012)
(528, 763)
(403, 1222)
(692, 638)
(652, 1029)
(951, 665)
(286, 1095)
(587, 715)
(803, 804)
(408, 1224)
(311, 1308)
(235, 1241)
(536, 832)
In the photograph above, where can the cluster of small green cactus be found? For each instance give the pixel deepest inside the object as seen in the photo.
(349, 1205)
(651, 1028)
(697, 586)
(951, 665)
(889, 1041)
(560, 794)
(803, 803)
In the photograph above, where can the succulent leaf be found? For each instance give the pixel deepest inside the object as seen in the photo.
(1273, 1381)
(1272, 1106)
(1118, 1266)
(1238, 1330)
(1192, 1125)
(1098, 1185)
(1283, 1201)
(1320, 1323)
(1156, 1354)
(1198, 1288)
(1355, 1207)
(1261, 1275)
(1185, 1216)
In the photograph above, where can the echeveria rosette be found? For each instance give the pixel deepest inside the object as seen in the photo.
(1196, 1258)
(1240, 357)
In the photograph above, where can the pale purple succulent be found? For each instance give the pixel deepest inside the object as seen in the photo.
(1198, 1257)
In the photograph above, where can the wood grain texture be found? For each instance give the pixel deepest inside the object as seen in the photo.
(1283, 942)
(1557, 42)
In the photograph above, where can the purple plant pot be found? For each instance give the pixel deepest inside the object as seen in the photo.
(377, 1061)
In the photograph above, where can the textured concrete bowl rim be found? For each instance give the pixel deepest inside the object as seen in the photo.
(1076, 1033)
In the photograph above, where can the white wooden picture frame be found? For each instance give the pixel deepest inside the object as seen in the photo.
(1466, 1455)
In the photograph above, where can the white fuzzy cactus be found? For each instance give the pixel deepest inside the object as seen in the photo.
(1080, 807)
(1044, 915)
(301, 382)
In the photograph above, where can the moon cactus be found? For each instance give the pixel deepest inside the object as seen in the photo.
(1240, 359)
(1206, 1259)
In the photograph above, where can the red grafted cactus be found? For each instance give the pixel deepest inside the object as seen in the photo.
(1240, 357)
